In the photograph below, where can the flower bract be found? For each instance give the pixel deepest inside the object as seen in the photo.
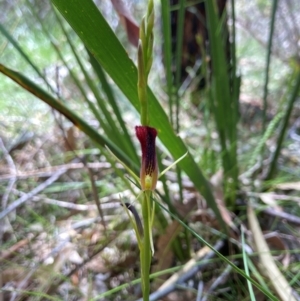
(149, 168)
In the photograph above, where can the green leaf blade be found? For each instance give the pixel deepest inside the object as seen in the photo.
(96, 34)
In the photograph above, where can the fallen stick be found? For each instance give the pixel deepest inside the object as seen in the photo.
(9, 252)
(32, 193)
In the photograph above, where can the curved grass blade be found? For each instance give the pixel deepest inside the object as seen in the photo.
(73, 75)
(224, 100)
(286, 118)
(245, 260)
(92, 28)
(112, 101)
(221, 256)
(111, 129)
(179, 44)
(24, 55)
(173, 164)
(136, 178)
(36, 90)
(166, 29)
(268, 63)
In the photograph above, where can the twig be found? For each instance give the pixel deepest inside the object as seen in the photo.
(57, 283)
(186, 273)
(293, 131)
(90, 173)
(95, 195)
(7, 253)
(110, 201)
(275, 196)
(11, 182)
(283, 215)
(32, 193)
(47, 172)
(68, 205)
(7, 156)
(200, 290)
(221, 279)
(19, 289)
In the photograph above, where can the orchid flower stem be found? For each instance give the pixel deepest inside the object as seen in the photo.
(146, 136)
(145, 57)
(142, 85)
(145, 251)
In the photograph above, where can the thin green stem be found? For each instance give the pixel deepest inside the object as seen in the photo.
(166, 28)
(142, 86)
(107, 89)
(145, 50)
(180, 27)
(223, 99)
(286, 118)
(245, 260)
(145, 252)
(235, 92)
(265, 107)
(233, 51)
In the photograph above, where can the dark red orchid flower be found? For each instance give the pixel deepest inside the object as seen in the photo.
(149, 168)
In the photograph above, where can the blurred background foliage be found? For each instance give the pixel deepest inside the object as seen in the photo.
(225, 86)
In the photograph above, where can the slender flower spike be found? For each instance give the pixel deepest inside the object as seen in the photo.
(149, 168)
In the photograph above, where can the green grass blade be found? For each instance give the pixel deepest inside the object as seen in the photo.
(233, 48)
(222, 257)
(179, 37)
(219, 66)
(268, 61)
(166, 28)
(56, 104)
(112, 101)
(107, 123)
(236, 84)
(86, 20)
(286, 118)
(223, 103)
(24, 55)
(245, 260)
(179, 41)
(257, 275)
(262, 141)
(131, 172)
(72, 74)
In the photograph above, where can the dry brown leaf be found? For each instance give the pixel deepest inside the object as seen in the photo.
(164, 253)
(216, 182)
(75, 279)
(275, 242)
(289, 186)
(269, 199)
(14, 248)
(71, 138)
(189, 265)
(268, 266)
(127, 21)
(15, 274)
